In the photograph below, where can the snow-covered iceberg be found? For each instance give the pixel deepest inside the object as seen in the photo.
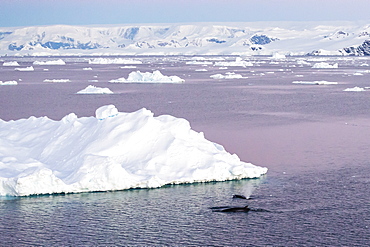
(228, 75)
(57, 80)
(25, 69)
(8, 83)
(147, 77)
(354, 89)
(111, 151)
(102, 60)
(324, 65)
(95, 90)
(11, 63)
(278, 56)
(237, 63)
(51, 62)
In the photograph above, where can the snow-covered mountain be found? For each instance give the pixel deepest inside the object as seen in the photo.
(256, 38)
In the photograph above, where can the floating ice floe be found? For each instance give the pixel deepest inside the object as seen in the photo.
(112, 151)
(208, 58)
(228, 75)
(315, 82)
(12, 63)
(102, 60)
(95, 90)
(199, 63)
(237, 63)
(278, 56)
(324, 65)
(354, 89)
(25, 69)
(128, 67)
(8, 83)
(303, 62)
(57, 80)
(147, 77)
(201, 70)
(89, 68)
(51, 62)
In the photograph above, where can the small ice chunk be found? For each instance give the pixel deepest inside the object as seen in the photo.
(324, 65)
(95, 90)
(11, 63)
(354, 89)
(8, 83)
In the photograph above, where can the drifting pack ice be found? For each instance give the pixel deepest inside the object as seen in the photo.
(111, 151)
(147, 77)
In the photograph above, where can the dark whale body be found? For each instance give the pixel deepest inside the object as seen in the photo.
(236, 209)
(239, 197)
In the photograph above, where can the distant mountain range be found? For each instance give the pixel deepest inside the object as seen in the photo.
(256, 38)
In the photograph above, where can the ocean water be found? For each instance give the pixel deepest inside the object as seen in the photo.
(313, 138)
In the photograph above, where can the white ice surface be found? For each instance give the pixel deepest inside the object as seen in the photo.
(95, 90)
(25, 69)
(200, 39)
(102, 60)
(199, 63)
(237, 63)
(112, 151)
(229, 75)
(11, 63)
(8, 83)
(278, 56)
(354, 89)
(147, 77)
(51, 62)
(324, 65)
(57, 80)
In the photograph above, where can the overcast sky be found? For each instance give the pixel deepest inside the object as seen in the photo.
(86, 12)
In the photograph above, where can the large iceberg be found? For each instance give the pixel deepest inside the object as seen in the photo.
(147, 77)
(112, 151)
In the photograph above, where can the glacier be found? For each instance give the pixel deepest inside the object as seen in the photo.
(111, 151)
(276, 39)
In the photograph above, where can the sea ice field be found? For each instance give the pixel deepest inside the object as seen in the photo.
(218, 118)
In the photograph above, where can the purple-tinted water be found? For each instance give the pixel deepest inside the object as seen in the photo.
(314, 140)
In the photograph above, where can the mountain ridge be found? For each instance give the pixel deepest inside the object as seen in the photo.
(255, 38)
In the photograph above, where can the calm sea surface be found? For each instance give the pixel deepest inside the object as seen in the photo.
(314, 140)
